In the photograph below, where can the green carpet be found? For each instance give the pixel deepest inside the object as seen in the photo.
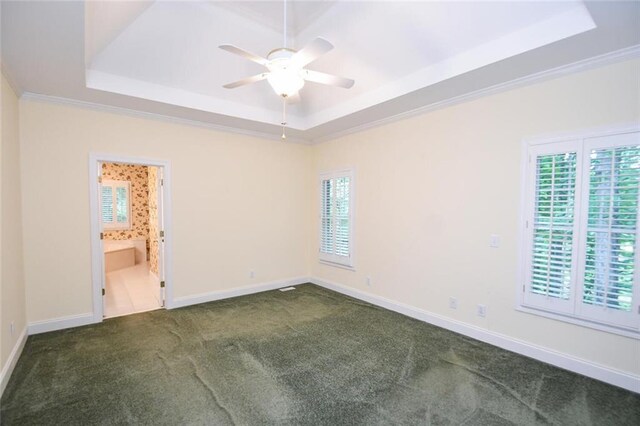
(309, 356)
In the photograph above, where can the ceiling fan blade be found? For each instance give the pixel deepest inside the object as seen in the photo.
(247, 80)
(328, 79)
(311, 52)
(248, 55)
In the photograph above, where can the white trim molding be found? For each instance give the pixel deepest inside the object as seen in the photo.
(183, 301)
(8, 367)
(93, 106)
(610, 58)
(61, 323)
(565, 361)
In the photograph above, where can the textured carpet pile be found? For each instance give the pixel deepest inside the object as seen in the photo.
(303, 357)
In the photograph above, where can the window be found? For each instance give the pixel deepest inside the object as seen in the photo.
(336, 218)
(581, 226)
(116, 205)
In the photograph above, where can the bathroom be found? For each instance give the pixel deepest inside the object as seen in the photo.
(130, 212)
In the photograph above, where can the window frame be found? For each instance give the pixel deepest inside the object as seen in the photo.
(116, 226)
(575, 313)
(331, 259)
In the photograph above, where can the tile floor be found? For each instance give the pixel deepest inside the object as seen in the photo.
(131, 290)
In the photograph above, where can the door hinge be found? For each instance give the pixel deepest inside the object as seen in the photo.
(103, 291)
(161, 234)
(102, 236)
(161, 182)
(99, 179)
(161, 284)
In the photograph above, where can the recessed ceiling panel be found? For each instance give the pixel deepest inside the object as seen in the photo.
(170, 53)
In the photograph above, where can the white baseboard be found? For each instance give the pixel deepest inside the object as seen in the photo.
(180, 302)
(605, 374)
(7, 369)
(37, 327)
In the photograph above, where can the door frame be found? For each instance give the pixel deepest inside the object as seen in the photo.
(97, 251)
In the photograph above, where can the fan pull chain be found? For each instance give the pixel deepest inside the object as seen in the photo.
(284, 116)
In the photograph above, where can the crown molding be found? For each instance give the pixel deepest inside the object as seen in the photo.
(629, 53)
(632, 52)
(8, 76)
(31, 96)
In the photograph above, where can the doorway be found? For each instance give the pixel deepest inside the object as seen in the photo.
(129, 235)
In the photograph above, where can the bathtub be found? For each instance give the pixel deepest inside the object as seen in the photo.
(119, 254)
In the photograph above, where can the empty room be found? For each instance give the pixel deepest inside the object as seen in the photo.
(320, 212)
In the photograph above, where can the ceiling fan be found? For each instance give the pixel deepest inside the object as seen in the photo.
(286, 71)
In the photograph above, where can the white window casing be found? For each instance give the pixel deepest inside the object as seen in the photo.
(580, 252)
(336, 218)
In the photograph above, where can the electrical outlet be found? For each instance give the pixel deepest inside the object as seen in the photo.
(482, 310)
(12, 327)
(368, 281)
(453, 303)
(494, 241)
(252, 274)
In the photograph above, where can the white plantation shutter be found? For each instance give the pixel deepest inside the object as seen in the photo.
(107, 204)
(552, 257)
(610, 223)
(336, 218)
(122, 204)
(581, 227)
(326, 232)
(116, 205)
(342, 218)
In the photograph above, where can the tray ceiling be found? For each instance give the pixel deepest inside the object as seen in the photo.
(163, 57)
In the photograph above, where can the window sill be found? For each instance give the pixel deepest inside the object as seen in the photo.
(118, 228)
(337, 265)
(621, 331)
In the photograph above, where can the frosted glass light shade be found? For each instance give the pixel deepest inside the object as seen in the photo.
(285, 82)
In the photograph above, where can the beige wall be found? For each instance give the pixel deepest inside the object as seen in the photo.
(12, 287)
(239, 203)
(429, 192)
(431, 189)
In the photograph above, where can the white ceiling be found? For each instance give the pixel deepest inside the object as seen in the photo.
(162, 57)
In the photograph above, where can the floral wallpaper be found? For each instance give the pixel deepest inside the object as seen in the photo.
(138, 178)
(153, 219)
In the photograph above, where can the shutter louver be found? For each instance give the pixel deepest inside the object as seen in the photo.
(614, 177)
(107, 204)
(552, 251)
(342, 217)
(326, 244)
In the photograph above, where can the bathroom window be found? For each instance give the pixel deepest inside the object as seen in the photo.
(116, 205)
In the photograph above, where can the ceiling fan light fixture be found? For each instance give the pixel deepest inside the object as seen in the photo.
(285, 82)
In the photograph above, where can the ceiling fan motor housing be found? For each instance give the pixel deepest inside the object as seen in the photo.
(285, 81)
